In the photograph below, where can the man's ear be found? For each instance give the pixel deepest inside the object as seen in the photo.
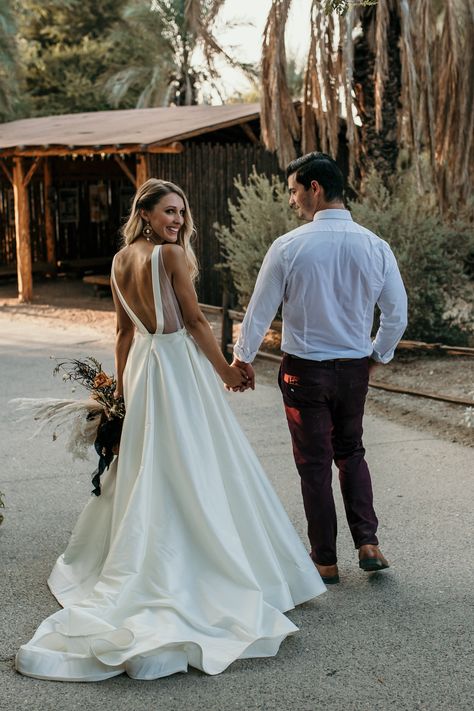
(316, 187)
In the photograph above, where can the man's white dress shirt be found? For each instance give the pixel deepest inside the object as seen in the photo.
(329, 274)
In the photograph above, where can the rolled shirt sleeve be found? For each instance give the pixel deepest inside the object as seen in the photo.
(266, 298)
(393, 306)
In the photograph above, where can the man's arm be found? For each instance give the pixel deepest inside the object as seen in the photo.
(393, 319)
(266, 298)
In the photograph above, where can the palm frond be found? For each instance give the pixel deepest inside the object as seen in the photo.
(406, 65)
(346, 29)
(280, 126)
(410, 84)
(425, 21)
(465, 142)
(381, 59)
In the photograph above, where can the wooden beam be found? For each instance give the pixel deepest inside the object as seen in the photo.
(174, 147)
(211, 129)
(436, 347)
(32, 171)
(48, 216)
(378, 385)
(22, 231)
(126, 170)
(209, 309)
(227, 323)
(143, 169)
(239, 316)
(259, 354)
(6, 171)
(249, 133)
(37, 151)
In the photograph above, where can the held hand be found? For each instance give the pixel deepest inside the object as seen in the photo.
(249, 374)
(235, 378)
(248, 370)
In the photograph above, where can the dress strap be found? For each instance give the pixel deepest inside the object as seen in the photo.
(126, 307)
(155, 279)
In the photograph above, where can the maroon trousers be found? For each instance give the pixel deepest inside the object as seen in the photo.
(324, 405)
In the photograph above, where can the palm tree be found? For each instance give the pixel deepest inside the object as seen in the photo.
(172, 49)
(394, 75)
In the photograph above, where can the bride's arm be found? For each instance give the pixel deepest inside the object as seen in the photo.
(125, 331)
(194, 320)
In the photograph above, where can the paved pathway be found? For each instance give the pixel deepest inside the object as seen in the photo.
(400, 640)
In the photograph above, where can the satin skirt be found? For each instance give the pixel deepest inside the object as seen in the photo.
(188, 556)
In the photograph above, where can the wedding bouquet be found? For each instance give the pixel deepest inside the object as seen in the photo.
(96, 421)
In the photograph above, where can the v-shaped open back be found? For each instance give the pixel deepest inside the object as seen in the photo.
(166, 307)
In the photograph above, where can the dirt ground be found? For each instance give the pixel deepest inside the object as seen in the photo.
(67, 302)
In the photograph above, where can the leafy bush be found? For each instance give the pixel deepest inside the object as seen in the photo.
(260, 214)
(431, 251)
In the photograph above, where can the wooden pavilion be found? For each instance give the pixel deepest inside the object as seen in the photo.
(66, 182)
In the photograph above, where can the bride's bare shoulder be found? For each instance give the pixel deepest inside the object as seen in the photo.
(132, 255)
(120, 254)
(172, 254)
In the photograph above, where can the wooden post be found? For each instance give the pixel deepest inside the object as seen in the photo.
(124, 167)
(143, 168)
(227, 325)
(49, 217)
(22, 231)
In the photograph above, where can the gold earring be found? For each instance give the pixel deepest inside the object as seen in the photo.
(147, 230)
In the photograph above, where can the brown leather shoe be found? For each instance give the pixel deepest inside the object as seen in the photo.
(328, 573)
(371, 558)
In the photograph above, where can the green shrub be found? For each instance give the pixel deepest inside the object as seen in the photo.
(431, 250)
(260, 214)
(431, 253)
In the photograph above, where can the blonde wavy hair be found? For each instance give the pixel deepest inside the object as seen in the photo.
(147, 196)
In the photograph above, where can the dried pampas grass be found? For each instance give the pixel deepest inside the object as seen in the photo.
(78, 418)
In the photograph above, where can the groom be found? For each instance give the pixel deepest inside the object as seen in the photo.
(329, 273)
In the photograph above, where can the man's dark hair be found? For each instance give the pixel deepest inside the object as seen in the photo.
(320, 167)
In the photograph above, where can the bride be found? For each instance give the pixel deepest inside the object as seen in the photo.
(187, 557)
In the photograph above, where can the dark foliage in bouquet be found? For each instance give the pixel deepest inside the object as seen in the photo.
(110, 414)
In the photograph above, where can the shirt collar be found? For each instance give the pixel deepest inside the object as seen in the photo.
(332, 215)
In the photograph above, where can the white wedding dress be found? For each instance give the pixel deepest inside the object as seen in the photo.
(187, 557)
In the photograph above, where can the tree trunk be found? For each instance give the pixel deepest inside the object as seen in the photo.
(378, 148)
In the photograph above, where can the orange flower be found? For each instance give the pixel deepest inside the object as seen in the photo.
(102, 380)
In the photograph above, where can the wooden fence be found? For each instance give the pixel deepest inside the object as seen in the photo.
(206, 171)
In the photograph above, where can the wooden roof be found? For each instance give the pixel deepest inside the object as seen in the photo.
(133, 127)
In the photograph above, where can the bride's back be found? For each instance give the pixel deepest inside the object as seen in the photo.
(133, 275)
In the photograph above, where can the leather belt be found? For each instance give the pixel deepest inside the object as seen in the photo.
(327, 363)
